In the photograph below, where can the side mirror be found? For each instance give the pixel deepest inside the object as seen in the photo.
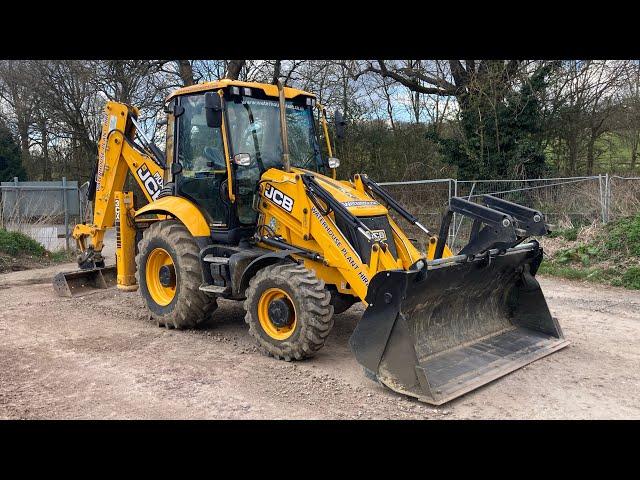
(340, 123)
(242, 159)
(213, 109)
(333, 162)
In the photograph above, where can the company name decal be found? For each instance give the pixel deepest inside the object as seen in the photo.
(345, 253)
(117, 209)
(152, 183)
(276, 196)
(361, 203)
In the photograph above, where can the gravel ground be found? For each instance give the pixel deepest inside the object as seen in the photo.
(100, 357)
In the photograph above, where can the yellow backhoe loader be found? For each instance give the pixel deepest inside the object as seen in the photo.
(243, 204)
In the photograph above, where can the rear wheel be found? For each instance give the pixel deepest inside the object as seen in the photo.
(288, 311)
(169, 276)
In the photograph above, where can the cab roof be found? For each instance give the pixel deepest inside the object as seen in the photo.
(269, 89)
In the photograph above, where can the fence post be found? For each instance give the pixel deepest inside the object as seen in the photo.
(607, 197)
(601, 190)
(66, 212)
(17, 190)
(452, 227)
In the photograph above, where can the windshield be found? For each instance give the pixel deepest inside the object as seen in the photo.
(255, 129)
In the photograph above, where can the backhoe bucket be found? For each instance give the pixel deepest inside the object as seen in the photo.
(456, 325)
(81, 282)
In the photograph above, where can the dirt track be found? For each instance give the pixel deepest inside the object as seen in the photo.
(100, 357)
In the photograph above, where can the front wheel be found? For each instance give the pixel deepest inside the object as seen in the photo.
(288, 311)
(169, 275)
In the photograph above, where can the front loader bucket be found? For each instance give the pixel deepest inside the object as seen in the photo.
(81, 282)
(456, 325)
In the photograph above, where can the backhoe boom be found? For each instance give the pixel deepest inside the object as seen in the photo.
(118, 154)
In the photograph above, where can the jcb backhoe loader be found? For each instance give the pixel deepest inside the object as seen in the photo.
(243, 205)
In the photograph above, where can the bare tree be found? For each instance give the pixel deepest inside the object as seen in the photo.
(586, 100)
(233, 69)
(16, 89)
(627, 120)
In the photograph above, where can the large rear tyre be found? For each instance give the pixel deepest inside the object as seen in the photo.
(288, 311)
(169, 275)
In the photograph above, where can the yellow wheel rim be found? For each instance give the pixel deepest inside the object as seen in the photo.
(161, 293)
(276, 332)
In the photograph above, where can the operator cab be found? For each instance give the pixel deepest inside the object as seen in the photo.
(217, 163)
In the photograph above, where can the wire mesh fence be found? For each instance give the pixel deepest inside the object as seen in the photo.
(623, 196)
(426, 199)
(45, 211)
(37, 207)
(565, 201)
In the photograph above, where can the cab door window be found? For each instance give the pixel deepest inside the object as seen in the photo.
(200, 151)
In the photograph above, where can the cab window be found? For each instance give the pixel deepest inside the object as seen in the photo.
(200, 151)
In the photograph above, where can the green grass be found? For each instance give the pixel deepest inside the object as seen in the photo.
(570, 234)
(15, 243)
(61, 256)
(611, 257)
(631, 278)
(591, 274)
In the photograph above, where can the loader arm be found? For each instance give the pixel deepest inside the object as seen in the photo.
(332, 221)
(118, 154)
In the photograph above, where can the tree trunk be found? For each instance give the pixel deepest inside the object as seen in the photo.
(233, 69)
(186, 72)
(23, 131)
(276, 71)
(590, 155)
(46, 169)
(573, 155)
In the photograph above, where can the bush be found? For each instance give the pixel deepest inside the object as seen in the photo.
(16, 243)
(570, 234)
(631, 278)
(606, 258)
(624, 236)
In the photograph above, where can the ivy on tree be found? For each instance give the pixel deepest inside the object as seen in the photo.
(10, 159)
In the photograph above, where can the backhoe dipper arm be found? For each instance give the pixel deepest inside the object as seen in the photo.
(117, 154)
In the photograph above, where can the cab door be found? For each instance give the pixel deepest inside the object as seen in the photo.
(199, 150)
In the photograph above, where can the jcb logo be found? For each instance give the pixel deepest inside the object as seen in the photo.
(279, 198)
(379, 235)
(152, 184)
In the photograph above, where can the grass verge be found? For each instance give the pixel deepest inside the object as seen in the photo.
(608, 254)
(21, 252)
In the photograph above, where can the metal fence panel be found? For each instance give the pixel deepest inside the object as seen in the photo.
(38, 208)
(38, 199)
(426, 199)
(623, 196)
(564, 200)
